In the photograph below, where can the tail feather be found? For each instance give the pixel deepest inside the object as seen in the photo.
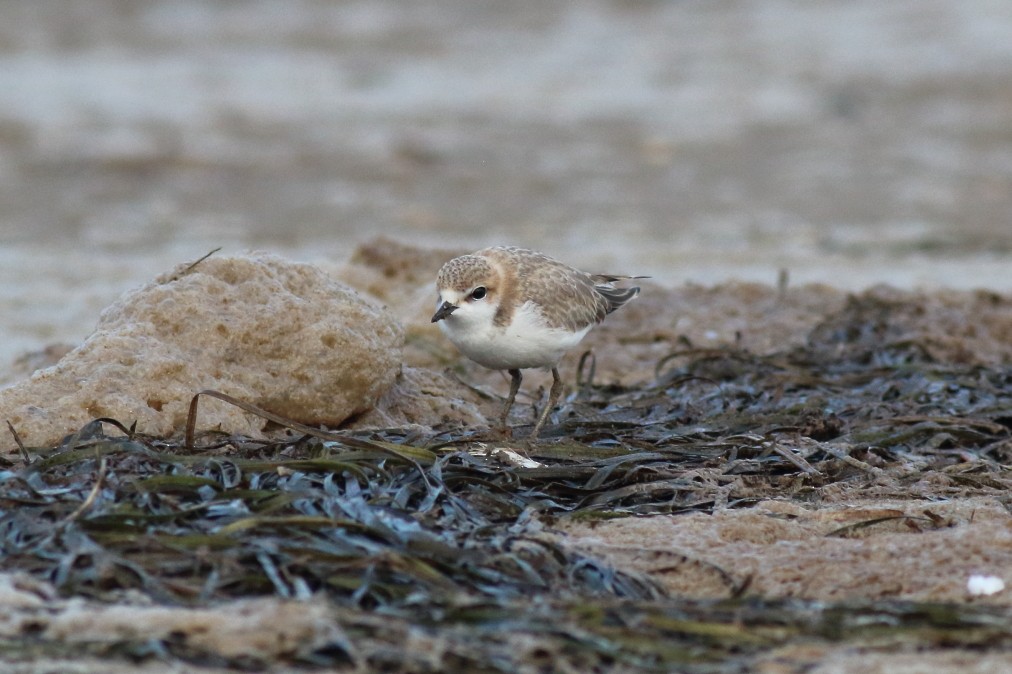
(610, 278)
(616, 297)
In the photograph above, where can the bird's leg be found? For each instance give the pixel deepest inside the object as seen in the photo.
(553, 398)
(514, 387)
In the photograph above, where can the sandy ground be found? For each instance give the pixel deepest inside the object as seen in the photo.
(848, 143)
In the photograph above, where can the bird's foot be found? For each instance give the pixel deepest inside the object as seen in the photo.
(504, 432)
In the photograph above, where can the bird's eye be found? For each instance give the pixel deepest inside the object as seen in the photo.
(478, 293)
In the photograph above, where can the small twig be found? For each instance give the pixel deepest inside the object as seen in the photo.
(191, 419)
(585, 376)
(793, 457)
(21, 445)
(88, 502)
(194, 264)
(346, 440)
(842, 455)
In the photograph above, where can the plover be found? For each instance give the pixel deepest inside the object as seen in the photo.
(511, 309)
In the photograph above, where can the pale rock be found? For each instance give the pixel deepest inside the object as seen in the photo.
(403, 277)
(425, 398)
(28, 363)
(281, 335)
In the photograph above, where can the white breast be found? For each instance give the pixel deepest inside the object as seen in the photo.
(524, 343)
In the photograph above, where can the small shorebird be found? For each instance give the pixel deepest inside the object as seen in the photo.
(511, 309)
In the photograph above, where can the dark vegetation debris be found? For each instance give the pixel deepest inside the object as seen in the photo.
(407, 534)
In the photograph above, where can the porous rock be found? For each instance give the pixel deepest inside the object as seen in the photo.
(426, 398)
(281, 335)
(403, 277)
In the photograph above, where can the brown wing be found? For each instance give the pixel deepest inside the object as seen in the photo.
(569, 298)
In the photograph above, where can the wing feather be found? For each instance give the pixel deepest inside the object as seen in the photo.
(567, 297)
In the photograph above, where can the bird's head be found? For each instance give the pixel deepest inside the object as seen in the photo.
(469, 292)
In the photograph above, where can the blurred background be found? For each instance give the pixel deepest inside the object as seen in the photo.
(849, 142)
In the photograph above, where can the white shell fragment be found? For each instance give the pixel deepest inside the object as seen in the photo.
(983, 586)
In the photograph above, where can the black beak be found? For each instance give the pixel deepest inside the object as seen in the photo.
(444, 310)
